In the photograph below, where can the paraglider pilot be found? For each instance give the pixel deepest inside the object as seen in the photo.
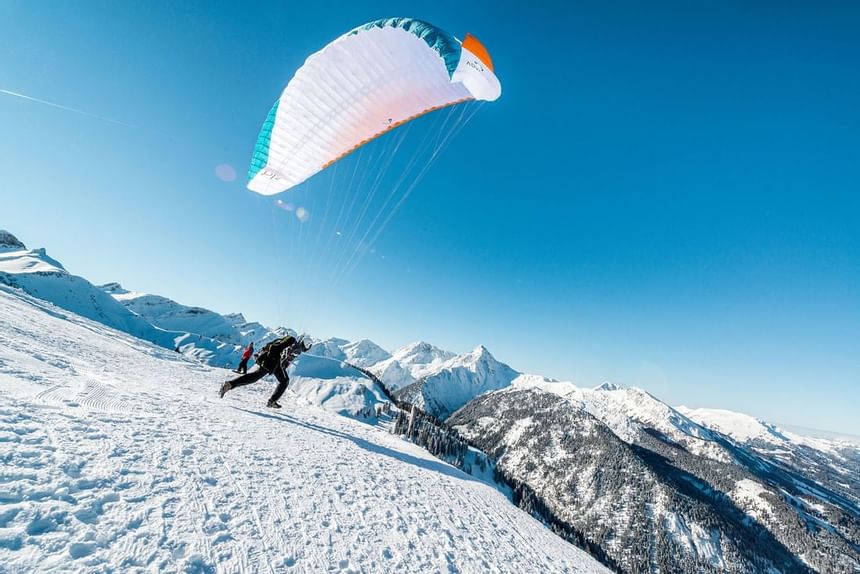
(274, 358)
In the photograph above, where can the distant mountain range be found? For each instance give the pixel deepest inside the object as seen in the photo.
(660, 492)
(198, 333)
(656, 488)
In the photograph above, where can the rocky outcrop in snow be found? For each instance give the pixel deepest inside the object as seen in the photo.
(9, 242)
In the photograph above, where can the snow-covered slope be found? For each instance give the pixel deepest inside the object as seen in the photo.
(336, 386)
(456, 381)
(605, 489)
(43, 277)
(651, 503)
(393, 374)
(329, 375)
(747, 429)
(627, 411)
(630, 411)
(119, 456)
(830, 463)
(217, 342)
(232, 329)
(36, 273)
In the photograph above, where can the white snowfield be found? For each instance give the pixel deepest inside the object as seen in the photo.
(744, 428)
(231, 329)
(118, 456)
(41, 276)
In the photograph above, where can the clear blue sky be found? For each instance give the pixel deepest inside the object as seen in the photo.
(667, 195)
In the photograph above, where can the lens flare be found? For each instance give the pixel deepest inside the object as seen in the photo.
(285, 206)
(225, 172)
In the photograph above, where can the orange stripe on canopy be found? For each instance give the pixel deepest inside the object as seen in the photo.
(473, 45)
(394, 125)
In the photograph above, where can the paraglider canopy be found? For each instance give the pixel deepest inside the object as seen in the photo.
(365, 83)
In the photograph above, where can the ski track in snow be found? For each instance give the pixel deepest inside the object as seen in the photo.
(118, 456)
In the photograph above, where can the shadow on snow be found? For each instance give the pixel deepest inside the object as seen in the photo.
(432, 465)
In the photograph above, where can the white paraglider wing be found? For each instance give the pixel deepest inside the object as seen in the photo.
(365, 83)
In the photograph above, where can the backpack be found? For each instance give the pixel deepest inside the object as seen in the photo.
(271, 351)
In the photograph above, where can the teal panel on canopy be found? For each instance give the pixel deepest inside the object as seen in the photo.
(444, 43)
(261, 148)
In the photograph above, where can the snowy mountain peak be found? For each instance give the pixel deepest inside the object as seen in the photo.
(368, 345)
(410, 363)
(421, 352)
(114, 288)
(479, 360)
(444, 388)
(531, 381)
(480, 353)
(365, 353)
(17, 260)
(235, 318)
(9, 241)
(627, 411)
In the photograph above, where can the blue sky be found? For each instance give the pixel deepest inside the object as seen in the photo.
(665, 196)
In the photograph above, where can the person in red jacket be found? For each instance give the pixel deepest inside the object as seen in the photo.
(246, 356)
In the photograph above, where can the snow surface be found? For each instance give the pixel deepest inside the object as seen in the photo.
(628, 410)
(410, 363)
(337, 386)
(41, 276)
(232, 329)
(119, 456)
(365, 353)
(745, 428)
(695, 539)
(749, 495)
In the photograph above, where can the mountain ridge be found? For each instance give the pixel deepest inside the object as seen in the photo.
(36, 273)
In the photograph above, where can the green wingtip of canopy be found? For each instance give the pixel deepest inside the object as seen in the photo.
(261, 148)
